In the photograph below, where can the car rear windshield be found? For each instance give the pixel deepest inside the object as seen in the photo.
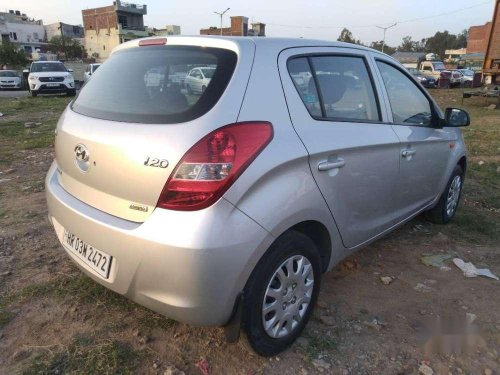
(48, 67)
(147, 84)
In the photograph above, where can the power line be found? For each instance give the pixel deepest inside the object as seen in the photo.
(375, 25)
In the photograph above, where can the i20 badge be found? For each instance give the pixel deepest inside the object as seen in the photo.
(82, 157)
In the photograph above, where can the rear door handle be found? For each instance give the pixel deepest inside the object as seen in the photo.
(328, 165)
(406, 153)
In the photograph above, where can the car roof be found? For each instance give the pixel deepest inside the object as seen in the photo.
(44, 62)
(270, 43)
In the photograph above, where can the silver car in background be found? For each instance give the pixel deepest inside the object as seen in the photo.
(226, 208)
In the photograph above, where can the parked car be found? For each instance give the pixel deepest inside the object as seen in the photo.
(198, 79)
(50, 77)
(91, 68)
(9, 79)
(467, 77)
(226, 208)
(428, 82)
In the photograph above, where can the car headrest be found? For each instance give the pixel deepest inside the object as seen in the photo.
(333, 87)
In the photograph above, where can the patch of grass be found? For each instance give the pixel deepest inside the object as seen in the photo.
(5, 317)
(150, 319)
(88, 356)
(319, 345)
(474, 225)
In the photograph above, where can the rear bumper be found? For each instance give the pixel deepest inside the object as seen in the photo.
(188, 266)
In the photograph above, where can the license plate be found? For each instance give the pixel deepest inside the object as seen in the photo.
(52, 84)
(97, 260)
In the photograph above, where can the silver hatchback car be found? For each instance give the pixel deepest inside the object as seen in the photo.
(225, 207)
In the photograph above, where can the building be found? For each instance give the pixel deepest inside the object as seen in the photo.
(239, 27)
(454, 54)
(63, 29)
(491, 66)
(27, 33)
(107, 27)
(168, 30)
(477, 40)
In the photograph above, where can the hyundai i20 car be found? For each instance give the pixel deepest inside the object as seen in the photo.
(226, 206)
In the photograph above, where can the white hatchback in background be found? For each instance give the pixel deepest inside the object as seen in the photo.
(198, 79)
(91, 68)
(9, 79)
(50, 77)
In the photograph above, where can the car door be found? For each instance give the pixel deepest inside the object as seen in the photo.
(425, 148)
(354, 156)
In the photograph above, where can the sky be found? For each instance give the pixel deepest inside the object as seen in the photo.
(320, 19)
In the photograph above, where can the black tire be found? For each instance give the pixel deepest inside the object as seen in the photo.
(203, 88)
(289, 244)
(188, 88)
(439, 213)
(33, 93)
(71, 93)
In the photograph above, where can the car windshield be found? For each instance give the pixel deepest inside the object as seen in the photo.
(149, 84)
(469, 73)
(208, 73)
(438, 66)
(8, 74)
(48, 67)
(413, 71)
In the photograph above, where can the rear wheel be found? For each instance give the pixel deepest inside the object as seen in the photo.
(445, 209)
(71, 93)
(281, 293)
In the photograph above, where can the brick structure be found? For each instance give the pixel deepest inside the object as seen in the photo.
(108, 26)
(239, 27)
(491, 66)
(478, 38)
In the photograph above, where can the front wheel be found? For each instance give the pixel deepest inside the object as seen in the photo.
(447, 205)
(33, 94)
(281, 293)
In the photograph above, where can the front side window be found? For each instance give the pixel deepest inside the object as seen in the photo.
(149, 84)
(409, 105)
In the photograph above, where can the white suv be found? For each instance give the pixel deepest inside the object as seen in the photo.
(50, 77)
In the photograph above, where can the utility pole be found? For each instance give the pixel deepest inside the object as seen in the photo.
(385, 29)
(221, 14)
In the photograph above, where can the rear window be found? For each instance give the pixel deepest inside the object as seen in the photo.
(150, 84)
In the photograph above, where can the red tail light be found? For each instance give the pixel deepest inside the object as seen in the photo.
(212, 165)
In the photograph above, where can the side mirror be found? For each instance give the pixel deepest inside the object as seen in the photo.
(456, 117)
(70, 70)
(26, 70)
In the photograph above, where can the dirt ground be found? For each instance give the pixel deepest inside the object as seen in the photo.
(54, 320)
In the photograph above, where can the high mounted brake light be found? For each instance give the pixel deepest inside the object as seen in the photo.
(153, 42)
(213, 164)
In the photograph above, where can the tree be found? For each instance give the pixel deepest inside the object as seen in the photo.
(346, 36)
(70, 47)
(11, 56)
(442, 41)
(378, 46)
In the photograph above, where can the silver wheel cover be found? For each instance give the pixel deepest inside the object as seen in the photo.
(287, 296)
(453, 195)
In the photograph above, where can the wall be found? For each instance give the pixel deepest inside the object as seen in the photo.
(478, 38)
(99, 18)
(102, 42)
